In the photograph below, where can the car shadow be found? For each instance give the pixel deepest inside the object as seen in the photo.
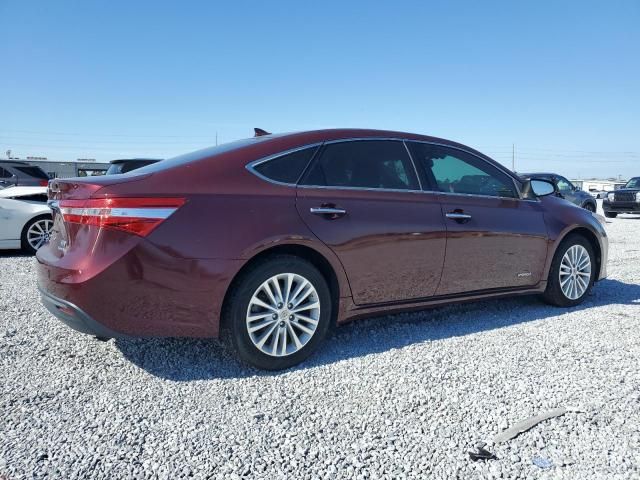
(201, 359)
(14, 253)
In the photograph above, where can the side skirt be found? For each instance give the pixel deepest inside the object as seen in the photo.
(350, 311)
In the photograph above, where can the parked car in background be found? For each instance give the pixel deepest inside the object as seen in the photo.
(623, 200)
(595, 193)
(125, 165)
(272, 239)
(25, 218)
(16, 173)
(567, 189)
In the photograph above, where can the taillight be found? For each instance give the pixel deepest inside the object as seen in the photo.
(44, 183)
(133, 215)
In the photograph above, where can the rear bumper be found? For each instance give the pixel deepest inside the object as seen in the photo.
(74, 317)
(145, 293)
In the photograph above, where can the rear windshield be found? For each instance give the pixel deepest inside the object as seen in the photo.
(200, 154)
(36, 172)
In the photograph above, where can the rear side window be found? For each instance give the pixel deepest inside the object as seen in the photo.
(286, 168)
(382, 164)
(35, 172)
(5, 173)
(455, 171)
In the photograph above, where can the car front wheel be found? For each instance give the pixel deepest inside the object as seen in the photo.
(279, 313)
(611, 214)
(590, 206)
(572, 272)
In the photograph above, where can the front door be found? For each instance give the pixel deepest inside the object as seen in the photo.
(495, 239)
(362, 199)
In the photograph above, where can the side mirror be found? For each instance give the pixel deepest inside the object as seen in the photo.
(536, 187)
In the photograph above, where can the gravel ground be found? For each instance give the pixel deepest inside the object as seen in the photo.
(395, 397)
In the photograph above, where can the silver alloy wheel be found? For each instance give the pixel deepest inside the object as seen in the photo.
(575, 272)
(283, 314)
(39, 233)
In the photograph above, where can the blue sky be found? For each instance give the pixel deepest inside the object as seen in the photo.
(110, 79)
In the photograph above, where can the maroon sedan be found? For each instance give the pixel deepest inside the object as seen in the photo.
(273, 239)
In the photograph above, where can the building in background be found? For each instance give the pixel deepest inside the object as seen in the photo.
(595, 185)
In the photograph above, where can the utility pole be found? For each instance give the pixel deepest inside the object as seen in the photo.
(513, 157)
(216, 139)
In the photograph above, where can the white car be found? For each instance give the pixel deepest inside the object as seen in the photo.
(598, 193)
(25, 218)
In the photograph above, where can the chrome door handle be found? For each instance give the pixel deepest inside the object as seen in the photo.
(458, 216)
(327, 211)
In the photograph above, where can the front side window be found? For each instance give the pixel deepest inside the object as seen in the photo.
(564, 185)
(286, 168)
(455, 171)
(382, 164)
(5, 173)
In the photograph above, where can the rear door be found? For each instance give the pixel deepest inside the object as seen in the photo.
(362, 198)
(495, 239)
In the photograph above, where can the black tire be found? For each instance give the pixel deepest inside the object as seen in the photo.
(26, 247)
(553, 294)
(235, 321)
(611, 214)
(589, 206)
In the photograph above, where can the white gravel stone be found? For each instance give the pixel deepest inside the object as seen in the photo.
(394, 397)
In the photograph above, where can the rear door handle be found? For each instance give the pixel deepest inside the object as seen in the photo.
(459, 216)
(332, 212)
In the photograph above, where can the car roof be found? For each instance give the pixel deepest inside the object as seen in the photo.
(281, 141)
(265, 146)
(21, 191)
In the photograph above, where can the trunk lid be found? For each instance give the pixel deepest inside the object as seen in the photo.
(76, 192)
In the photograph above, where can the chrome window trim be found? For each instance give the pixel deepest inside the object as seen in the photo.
(486, 196)
(251, 165)
(368, 189)
(415, 169)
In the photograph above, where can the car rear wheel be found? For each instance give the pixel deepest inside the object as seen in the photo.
(611, 214)
(36, 233)
(279, 313)
(590, 206)
(572, 273)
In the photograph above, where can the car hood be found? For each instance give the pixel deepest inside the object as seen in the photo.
(17, 192)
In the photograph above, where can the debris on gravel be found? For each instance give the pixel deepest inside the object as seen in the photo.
(404, 396)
